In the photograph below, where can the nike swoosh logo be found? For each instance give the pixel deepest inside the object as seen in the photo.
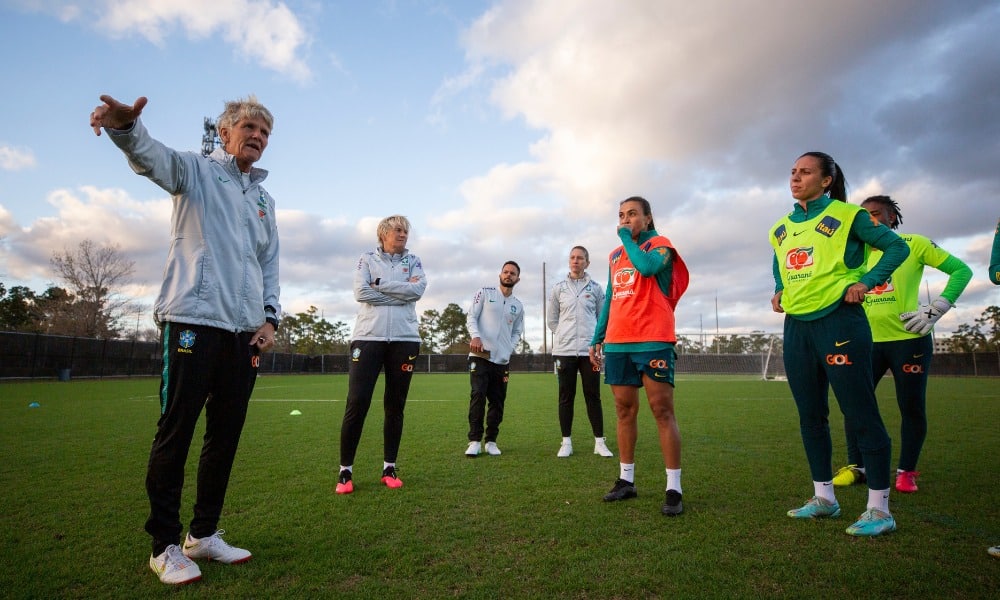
(223, 180)
(839, 344)
(658, 375)
(412, 357)
(797, 233)
(918, 355)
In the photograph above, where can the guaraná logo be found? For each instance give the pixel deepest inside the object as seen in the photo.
(624, 277)
(799, 258)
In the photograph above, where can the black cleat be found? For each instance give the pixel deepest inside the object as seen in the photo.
(623, 490)
(673, 505)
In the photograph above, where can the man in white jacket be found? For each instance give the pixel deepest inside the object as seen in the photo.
(573, 306)
(217, 311)
(496, 324)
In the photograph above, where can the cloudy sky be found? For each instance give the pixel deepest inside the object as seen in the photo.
(510, 129)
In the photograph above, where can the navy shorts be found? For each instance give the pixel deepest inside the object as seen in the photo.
(627, 368)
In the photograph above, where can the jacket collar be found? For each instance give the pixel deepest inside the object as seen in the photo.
(228, 161)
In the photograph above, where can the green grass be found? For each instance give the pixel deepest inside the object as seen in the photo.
(522, 525)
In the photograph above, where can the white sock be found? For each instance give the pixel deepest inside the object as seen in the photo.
(626, 472)
(348, 468)
(879, 499)
(824, 489)
(386, 465)
(567, 440)
(674, 480)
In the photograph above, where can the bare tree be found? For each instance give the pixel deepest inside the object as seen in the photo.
(96, 275)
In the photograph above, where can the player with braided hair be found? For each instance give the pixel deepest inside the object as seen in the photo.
(900, 328)
(995, 278)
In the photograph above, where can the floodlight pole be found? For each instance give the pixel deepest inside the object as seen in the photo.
(545, 327)
(210, 138)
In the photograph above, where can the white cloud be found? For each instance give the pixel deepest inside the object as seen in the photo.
(13, 158)
(263, 31)
(702, 108)
(140, 229)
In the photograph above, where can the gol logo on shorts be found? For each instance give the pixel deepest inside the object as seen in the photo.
(838, 360)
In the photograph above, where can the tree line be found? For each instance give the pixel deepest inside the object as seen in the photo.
(91, 303)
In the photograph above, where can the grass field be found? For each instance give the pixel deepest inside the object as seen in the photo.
(521, 525)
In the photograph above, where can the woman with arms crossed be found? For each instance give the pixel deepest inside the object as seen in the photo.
(387, 283)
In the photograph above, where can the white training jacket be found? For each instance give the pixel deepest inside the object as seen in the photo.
(571, 315)
(498, 321)
(388, 311)
(222, 266)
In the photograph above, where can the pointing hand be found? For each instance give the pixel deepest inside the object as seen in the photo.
(115, 115)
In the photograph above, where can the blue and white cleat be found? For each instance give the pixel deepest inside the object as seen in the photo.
(873, 522)
(816, 508)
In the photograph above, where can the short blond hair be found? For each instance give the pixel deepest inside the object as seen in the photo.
(389, 223)
(244, 108)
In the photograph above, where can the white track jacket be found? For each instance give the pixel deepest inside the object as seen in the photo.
(222, 266)
(498, 321)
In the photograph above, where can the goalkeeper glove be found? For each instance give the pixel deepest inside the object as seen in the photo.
(923, 319)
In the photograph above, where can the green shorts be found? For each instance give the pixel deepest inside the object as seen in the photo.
(626, 368)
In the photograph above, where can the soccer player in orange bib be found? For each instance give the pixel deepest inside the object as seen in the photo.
(635, 338)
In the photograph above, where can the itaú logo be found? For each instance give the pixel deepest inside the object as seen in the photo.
(799, 258)
(915, 369)
(624, 277)
(838, 360)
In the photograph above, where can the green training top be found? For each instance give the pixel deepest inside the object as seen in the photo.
(863, 231)
(900, 293)
(813, 272)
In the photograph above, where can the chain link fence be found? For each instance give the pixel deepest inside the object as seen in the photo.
(38, 356)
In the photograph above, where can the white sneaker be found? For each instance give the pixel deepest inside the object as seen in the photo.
(172, 567)
(566, 449)
(601, 447)
(214, 548)
(473, 449)
(491, 449)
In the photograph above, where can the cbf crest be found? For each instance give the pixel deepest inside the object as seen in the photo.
(185, 340)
